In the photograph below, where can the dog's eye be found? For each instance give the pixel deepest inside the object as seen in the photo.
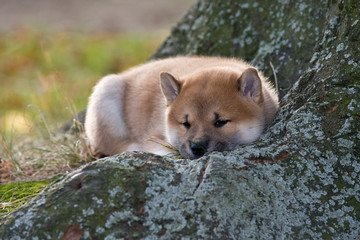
(220, 123)
(186, 125)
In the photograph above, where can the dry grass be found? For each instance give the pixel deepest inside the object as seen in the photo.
(26, 157)
(45, 79)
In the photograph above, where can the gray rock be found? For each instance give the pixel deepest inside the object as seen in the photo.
(301, 180)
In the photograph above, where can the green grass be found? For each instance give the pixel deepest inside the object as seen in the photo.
(45, 79)
(54, 72)
(13, 195)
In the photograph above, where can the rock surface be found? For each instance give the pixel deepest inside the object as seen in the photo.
(301, 180)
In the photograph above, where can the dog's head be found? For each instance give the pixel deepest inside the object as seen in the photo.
(213, 110)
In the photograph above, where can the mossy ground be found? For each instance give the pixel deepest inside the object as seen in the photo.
(15, 194)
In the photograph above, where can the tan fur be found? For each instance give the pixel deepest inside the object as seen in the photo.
(128, 109)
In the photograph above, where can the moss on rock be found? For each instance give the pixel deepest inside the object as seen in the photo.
(299, 181)
(13, 195)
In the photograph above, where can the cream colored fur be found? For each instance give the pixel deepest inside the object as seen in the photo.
(126, 110)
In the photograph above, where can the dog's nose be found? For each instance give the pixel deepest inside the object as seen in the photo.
(198, 148)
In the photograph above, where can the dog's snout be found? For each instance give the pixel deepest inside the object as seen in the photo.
(198, 148)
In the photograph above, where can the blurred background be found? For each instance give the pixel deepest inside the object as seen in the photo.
(52, 52)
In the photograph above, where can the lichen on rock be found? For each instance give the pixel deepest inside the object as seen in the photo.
(299, 181)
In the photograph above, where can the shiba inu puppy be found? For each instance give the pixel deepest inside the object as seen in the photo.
(196, 104)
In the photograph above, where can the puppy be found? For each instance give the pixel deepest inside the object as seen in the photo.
(195, 104)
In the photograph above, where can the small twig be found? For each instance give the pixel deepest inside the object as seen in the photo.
(276, 81)
(172, 148)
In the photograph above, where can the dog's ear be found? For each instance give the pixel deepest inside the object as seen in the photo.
(170, 87)
(250, 85)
